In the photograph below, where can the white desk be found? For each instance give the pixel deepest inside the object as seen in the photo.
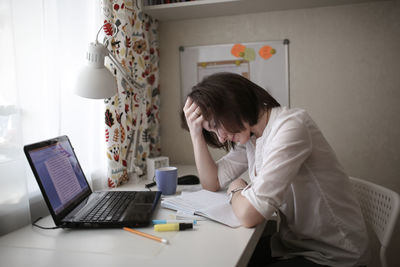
(210, 244)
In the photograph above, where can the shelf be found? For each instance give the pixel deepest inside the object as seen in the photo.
(215, 8)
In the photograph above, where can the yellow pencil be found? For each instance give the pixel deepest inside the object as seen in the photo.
(159, 239)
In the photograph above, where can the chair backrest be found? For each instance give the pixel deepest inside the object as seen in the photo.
(380, 207)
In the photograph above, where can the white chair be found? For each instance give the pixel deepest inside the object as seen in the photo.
(380, 207)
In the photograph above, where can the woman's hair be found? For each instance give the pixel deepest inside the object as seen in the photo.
(229, 100)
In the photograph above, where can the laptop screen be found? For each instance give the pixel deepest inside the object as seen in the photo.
(60, 174)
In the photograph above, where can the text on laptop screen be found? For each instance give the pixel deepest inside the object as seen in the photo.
(60, 174)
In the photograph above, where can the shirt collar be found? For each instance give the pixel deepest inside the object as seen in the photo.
(274, 114)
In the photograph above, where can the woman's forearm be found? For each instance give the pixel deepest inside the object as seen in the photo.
(245, 212)
(206, 167)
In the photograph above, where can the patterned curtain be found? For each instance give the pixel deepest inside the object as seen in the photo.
(132, 116)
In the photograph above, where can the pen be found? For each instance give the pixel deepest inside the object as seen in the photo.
(174, 221)
(162, 240)
(172, 227)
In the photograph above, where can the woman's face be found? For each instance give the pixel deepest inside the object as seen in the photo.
(223, 135)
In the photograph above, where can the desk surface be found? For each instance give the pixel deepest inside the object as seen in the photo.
(210, 244)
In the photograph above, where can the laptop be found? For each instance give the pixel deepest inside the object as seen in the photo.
(70, 200)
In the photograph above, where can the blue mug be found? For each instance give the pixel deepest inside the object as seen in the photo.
(167, 180)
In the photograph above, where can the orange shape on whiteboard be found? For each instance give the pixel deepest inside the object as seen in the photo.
(238, 50)
(266, 52)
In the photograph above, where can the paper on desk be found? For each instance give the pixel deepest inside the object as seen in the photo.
(189, 188)
(213, 205)
(180, 215)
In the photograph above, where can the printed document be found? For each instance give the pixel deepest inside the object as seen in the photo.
(212, 205)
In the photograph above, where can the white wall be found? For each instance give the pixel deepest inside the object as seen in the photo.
(344, 70)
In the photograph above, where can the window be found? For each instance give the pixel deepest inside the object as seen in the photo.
(43, 45)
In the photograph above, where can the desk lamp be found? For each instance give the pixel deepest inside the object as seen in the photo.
(95, 81)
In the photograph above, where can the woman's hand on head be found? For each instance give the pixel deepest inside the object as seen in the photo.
(194, 118)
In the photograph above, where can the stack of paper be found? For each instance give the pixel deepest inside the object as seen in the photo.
(212, 205)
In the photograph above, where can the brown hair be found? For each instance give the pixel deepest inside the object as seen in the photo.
(229, 99)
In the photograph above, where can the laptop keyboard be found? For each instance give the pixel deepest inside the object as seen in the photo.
(110, 208)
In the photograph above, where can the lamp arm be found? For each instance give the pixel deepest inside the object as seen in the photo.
(128, 78)
(133, 143)
(135, 130)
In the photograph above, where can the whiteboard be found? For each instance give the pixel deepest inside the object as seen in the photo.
(270, 73)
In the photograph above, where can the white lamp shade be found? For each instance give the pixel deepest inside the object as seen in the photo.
(96, 83)
(95, 80)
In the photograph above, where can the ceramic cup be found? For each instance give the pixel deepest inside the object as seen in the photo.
(166, 180)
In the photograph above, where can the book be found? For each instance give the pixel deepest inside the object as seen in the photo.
(212, 205)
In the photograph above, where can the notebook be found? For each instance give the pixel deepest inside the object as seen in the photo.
(71, 202)
(212, 205)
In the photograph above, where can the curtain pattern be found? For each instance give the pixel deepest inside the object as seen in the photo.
(132, 116)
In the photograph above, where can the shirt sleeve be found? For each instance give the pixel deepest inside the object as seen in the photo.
(281, 160)
(232, 165)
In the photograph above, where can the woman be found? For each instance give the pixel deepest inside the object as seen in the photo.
(293, 171)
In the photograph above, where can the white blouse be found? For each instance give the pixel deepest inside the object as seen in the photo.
(293, 170)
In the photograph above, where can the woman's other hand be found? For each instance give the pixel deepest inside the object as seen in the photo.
(238, 183)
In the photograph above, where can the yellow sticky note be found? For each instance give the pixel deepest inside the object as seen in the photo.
(249, 54)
